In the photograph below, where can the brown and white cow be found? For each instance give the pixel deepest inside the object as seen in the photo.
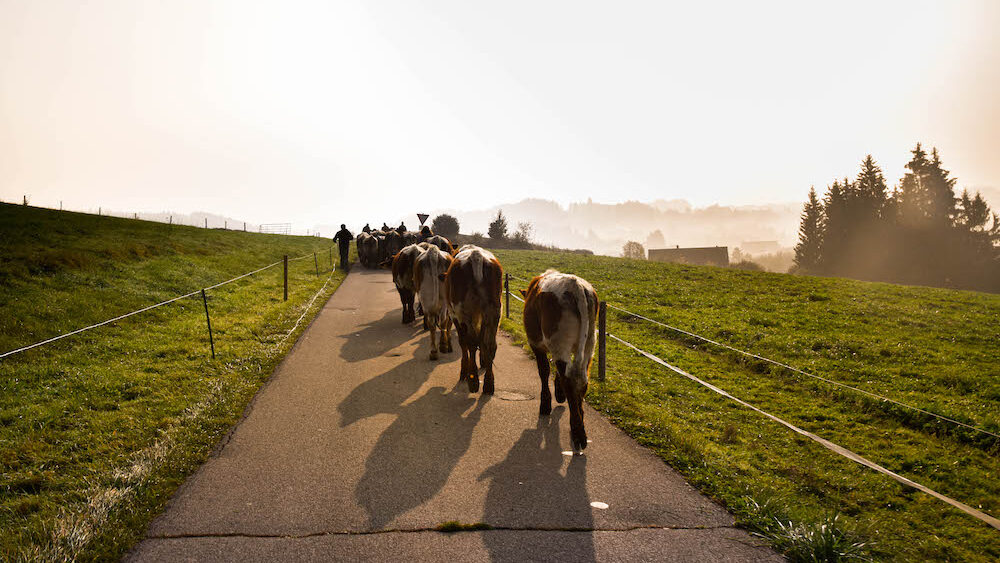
(442, 243)
(560, 313)
(402, 275)
(428, 277)
(472, 289)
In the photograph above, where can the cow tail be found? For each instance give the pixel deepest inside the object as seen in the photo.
(586, 302)
(477, 266)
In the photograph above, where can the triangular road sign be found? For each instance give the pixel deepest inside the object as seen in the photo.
(423, 217)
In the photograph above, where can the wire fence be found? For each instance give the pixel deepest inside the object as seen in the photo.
(840, 450)
(285, 260)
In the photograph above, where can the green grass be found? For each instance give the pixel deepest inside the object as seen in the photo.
(98, 429)
(932, 348)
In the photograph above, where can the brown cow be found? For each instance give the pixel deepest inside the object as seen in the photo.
(560, 313)
(428, 277)
(472, 289)
(442, 243)
(402, 276)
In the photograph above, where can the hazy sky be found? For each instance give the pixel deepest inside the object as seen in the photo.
(318, 112)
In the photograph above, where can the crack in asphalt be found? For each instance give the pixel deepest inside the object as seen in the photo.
(435, 530)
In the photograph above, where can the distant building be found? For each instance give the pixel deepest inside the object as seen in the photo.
(760, 246)
(706, 256)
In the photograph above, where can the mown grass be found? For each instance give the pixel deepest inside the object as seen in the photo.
(931, 348)
(97, 430)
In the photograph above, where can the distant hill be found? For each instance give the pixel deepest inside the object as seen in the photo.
(604, 228)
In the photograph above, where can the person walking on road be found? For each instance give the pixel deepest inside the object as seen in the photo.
(343, 238)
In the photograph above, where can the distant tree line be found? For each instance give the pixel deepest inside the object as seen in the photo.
(919, 233)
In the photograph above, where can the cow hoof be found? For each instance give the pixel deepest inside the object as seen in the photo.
(488, 388)
(473, 385)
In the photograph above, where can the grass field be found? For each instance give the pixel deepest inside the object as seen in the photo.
(935, 349)
(98, 429)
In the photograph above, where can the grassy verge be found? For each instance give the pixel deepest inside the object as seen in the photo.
(97, 430)
(935, 349)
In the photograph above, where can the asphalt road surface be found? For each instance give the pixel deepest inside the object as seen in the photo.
(359, 446)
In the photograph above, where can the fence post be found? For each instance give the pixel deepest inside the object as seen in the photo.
(506, 292)
(244, 226)
(286, 277)
(225, 225)
(331, 257)
(208, 321)
(602, 340)
(206, 222)
(316, 261)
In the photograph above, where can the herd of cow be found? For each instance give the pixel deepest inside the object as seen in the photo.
(463, 288)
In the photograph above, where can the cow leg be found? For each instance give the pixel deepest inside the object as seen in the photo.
(469, 370)
(445, 344)
(545, 402)
(560, 392)
(574, 394)
(488, 338)
(433, 329)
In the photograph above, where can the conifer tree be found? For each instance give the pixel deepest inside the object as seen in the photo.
(912, 197)
(808, 252)
(940, 191)
(871, 188)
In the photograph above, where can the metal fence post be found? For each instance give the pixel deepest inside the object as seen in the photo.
(602, 340)
(506, 291)
(286, 277)
(208, 321)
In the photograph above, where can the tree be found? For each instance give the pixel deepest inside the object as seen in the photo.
(836, 226)
(912, 199)
(498, 228)
(523, 234)
(633, 249)
(656, 240)
(808, 252)
(445, 225)
(871, 189)
(940, 191)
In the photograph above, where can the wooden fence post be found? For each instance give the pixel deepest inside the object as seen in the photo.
(506, 292)
(208, 321)
(244, 226)
(286, 277)
(316, 261)
(602, 340)
(206, 222)
(331, 257)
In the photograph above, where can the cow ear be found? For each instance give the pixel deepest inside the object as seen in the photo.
(524, 293)
(441, 277)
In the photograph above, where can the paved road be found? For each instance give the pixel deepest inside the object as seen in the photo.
(359, 446)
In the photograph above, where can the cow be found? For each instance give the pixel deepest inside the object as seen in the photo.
(560, 313)
(472, 290)
(367, 250)
(389, 245)
(442, 243)
(428, 277)
(402, 275)
(409, 237)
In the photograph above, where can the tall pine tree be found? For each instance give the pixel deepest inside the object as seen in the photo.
(808, 252)
(912, 197)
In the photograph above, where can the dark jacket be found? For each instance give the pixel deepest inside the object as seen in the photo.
(344, 237)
